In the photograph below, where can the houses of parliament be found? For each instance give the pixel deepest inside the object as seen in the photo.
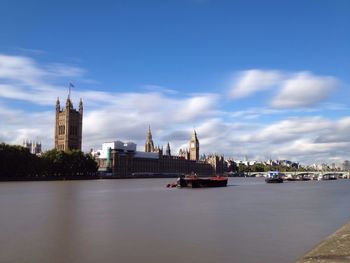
(123, 160)
(68, 126)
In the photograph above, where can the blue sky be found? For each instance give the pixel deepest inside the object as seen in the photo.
(246, 74)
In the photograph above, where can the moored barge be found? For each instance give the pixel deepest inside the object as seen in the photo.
(194, 181)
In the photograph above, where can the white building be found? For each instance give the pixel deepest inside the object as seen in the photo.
(33, 146)
(127, 147)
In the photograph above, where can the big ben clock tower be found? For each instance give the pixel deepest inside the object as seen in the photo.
(194, 147)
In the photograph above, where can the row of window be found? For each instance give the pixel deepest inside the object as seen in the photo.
(60, 147)
(61, 129)
(72, 131)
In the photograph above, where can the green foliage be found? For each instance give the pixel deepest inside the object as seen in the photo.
(259, 168)
(18, 162)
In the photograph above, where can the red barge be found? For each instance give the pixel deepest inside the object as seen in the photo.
(193, 181)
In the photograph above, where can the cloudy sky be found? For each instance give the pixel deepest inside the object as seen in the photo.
(261, 79)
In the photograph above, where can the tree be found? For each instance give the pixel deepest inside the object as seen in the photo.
(18, 162)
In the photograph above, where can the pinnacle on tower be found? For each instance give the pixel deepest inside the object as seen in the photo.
(58, 104)
(149, 145)
(167, 151)
(149, 133)
(80, 105)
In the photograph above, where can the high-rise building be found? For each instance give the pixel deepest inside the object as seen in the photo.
(194, 147)
(68, 126)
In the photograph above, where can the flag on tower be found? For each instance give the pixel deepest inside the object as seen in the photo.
(69, 87)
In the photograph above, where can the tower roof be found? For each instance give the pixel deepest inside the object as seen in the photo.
(194, 135)
(149, 133)
(69, 103)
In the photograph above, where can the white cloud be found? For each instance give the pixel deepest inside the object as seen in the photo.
(251, 81)
(22, 78)
(22, 70)
(126, 115)
(304, 90)
(292, 90)
(18, 125)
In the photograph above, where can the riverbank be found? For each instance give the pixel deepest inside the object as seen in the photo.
(335, 248)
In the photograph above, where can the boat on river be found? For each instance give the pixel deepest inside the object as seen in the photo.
(194, 181)
(273, 177)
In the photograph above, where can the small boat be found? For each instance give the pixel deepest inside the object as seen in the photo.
(273, 177)
(327, 177)
(194, 181)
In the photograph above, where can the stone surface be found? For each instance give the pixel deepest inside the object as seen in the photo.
(335, 248)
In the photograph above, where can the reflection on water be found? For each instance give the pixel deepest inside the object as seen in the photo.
(143, 221)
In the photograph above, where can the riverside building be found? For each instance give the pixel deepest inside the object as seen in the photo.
(123, 160)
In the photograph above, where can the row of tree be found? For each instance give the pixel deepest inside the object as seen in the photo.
(17, 162)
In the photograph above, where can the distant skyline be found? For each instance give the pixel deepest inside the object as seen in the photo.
(262, 79)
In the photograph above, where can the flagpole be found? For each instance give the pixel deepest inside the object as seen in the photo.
(70, 87)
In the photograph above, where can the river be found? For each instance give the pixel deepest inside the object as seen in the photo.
(140, 220)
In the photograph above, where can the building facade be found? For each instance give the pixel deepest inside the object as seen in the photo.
(122, 160)
(68, 126)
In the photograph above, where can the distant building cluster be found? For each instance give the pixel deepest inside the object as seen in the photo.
(33, 146)
(345, 166)
(272, 163)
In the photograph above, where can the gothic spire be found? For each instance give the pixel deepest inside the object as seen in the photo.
(58, 103)
(80, 105)
(168, 151)
(149, 145)
(194, 135)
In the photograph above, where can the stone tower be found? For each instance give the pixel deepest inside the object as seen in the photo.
(194, 147)
(68, 126)
(149, 146)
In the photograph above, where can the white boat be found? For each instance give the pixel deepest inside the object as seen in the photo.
(273, 177)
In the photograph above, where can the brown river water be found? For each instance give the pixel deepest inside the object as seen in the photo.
(140, 220)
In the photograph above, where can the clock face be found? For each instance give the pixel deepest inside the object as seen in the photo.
(192, 144)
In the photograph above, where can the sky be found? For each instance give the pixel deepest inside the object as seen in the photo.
(256, 79)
